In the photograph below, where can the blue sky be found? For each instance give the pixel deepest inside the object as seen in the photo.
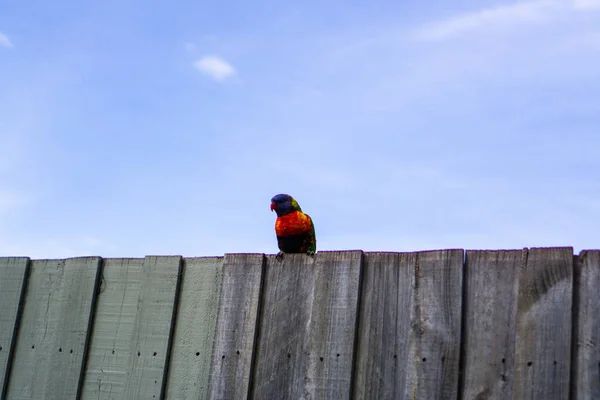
(130, 128)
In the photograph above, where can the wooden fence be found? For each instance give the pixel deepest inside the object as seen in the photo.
(448, 324)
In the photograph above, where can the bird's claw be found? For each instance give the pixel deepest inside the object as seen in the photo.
(310, 253)
(279, 256)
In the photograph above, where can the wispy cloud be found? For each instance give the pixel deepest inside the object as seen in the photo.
(189, 46)
(586, 4)
(507, 16)
(10, 200)
(4, 42)
(215, 67)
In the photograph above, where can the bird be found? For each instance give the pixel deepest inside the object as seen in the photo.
(294, 229)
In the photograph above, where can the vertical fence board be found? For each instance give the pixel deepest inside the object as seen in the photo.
(587, 349)
(236, 326)
(434, 343)
(384, 327)
(543, 328)
(196, 323)
(152, 329)
(490, 316)
(116, 310)
(13, 279)
(308, 326)
(51, 346)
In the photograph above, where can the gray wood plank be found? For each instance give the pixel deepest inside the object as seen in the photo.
(196, 323)
(543, 329)
(435, 320)
(491, 289)
(51, 346)
(116, 311)
(153, 326)
(236, 326)
(384, 327)
(587, 342)
(13, 280)
(308, 326)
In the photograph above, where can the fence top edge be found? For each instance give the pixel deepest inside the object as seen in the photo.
(370, 252)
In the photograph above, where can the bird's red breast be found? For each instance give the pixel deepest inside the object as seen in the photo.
(293, 223)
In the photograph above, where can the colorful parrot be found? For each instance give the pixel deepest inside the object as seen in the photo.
(294, 229)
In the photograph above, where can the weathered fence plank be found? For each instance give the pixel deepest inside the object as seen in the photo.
(308, 327)
(587, 349)
(13, 279)
(153, 327)
(434, 344)
(236, 326)
(384, 327)
(196, 323)
(51, 347)
(116, 311)
(491, 285)
(425, 335)
(543, 328)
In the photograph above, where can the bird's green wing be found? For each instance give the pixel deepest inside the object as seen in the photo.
(311, 239)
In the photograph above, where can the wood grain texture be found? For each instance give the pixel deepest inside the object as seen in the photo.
(13, 280)
(491, 290)
(435, 321)
(543, 328)
(152, 329)
(308, 326)
(587, 341)
(384, 327)
(196, 323)
(116, 310)
(50, 351)
(236, 326)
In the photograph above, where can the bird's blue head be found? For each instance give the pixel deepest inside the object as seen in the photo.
(284, 204)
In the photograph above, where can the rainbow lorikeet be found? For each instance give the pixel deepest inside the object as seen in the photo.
(294, 229)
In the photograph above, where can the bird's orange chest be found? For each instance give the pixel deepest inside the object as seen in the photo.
(293, 223)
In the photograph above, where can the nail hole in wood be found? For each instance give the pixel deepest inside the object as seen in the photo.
(33, 346)
(529, 364)
(424, 359)
(289, 355)
(321, 358)
(197, 353)
(503, 360)
(154, 354)
(71, 351)
(337, 355)
(238, 352)
(222, 358)
(60, 349)
(113, 352)
(139, 354)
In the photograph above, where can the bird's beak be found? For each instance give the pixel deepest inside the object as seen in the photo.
(272, 207)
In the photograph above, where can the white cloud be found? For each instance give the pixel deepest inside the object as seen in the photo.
(189, 46)
(4, 42)
(586, 4)
(215, 67)
(507, 16)
(511, 15)
(10, 200)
